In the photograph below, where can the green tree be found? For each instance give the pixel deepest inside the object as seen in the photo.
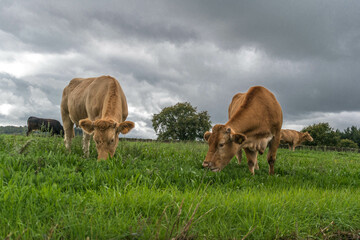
(323, 135)
(347, 143)
(181, 122)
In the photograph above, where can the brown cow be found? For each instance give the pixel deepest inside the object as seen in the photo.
(255, 120)
(99, 107)
(294, 138)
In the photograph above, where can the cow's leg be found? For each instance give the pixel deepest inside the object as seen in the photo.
(68, 131)
(251, 159)
(239, 155)
(52, 132)
(86, 143)
(69, 135)
(30, 128)
(271, 157)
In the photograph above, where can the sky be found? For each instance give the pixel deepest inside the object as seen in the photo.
(203, 52)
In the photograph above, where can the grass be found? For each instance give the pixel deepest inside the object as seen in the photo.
(160, 191)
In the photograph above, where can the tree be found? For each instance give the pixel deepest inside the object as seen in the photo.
(322, 134)
(181, 122)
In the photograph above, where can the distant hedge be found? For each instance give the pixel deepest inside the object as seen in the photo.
(13, 130)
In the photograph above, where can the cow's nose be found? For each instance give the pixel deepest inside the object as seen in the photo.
(103, 156)
(207, 164)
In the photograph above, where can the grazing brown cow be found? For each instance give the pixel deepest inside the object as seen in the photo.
(255, 120)
(294, 138)
(99, 107)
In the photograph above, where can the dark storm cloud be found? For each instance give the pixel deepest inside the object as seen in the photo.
(325, 87)
(60, 26)
(203, 52)
(285, 29)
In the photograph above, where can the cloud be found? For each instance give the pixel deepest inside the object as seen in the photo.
(20, 100)
(203, 52)
(339, 121)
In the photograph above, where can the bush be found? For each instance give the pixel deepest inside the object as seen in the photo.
(347, 143)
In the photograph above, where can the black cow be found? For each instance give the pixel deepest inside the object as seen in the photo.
(45, 125)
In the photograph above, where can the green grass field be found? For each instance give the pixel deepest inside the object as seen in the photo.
(160, 191)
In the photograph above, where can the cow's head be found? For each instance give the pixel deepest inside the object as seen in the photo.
(307, 137)
(223, 144)
(106, 134)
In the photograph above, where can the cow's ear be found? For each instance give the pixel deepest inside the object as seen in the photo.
(207, 135)
(238, 138)
(87, 125)
(124, 127)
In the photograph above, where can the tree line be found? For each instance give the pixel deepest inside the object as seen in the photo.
(183, 122)
(324, 135)
(14, 130)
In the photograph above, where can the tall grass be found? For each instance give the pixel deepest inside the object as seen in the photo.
(160, 191)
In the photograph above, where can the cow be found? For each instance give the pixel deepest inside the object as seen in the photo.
(255, 120)
(98, 105)
(45, 125)
(294, 138)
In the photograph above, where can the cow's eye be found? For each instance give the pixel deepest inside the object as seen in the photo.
(221, 145)
(112, 140)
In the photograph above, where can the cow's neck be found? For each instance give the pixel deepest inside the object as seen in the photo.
(111, 105)
(242, 122)
(302, 136)
(236, 125)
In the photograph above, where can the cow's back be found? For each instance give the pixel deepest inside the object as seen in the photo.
(32, 120)
(289, 136)
(235, 103)
(94, 98)
(256, 112)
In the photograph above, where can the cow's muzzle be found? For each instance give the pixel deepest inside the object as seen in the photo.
(211, 166)
(104, 156)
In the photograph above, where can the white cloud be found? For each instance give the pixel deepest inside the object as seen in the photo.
(39, 98)
(5, 108)
(24, 64)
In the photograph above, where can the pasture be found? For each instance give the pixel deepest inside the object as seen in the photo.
(153, 190)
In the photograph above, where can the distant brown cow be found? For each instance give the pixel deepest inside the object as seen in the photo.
(255, 120)
(294, 138)
(98, 105)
